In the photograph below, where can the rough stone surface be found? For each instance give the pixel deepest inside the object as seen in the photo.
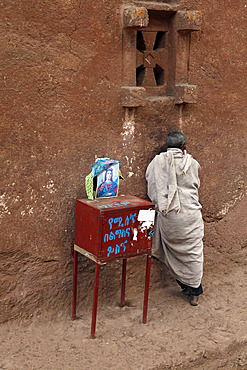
(189, 20)
(135, 16)
(133, 96)
(61, 78)
(186, 94)
(168, 6)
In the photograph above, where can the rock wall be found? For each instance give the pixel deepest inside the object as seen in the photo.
(61, 77)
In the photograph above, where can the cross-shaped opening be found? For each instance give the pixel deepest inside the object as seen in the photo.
(150, 58)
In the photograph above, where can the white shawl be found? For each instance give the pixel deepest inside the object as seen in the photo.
(173, 184)
(162, 179)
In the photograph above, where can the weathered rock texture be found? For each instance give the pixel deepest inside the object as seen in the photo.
(61, 79)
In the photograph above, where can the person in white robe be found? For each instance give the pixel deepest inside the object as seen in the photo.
(172, 184)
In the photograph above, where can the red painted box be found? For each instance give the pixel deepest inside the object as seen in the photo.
(107, 229)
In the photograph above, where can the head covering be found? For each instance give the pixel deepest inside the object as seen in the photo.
(162, 179)
(101, 165)
(173, 197)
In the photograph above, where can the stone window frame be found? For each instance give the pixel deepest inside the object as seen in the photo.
(148, 17)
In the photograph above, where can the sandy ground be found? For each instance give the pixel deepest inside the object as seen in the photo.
(176, 336)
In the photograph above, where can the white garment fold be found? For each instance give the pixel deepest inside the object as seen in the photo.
(173, 183)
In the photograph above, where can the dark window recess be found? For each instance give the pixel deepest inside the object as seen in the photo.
(159, 75)
(160, 41)
(150, 62)
(140, 74)
(140, 44)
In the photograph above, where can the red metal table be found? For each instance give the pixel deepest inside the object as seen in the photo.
(107, 229)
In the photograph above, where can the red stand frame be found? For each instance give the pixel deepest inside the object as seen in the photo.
(123, 282)
(96, 290)
(74, 285)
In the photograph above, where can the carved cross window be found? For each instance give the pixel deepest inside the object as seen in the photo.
(153, 31)
(151, 58)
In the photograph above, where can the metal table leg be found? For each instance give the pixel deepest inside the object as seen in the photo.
(74, 285)
(145, 304)
(123, 283)
(95, 299)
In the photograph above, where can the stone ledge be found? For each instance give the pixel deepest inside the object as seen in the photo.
(134, 16)
(185, 93)
(189, 20)
(161, 100)
(152, 5)
(133, 96)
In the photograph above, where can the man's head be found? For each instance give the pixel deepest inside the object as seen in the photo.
(176, 139)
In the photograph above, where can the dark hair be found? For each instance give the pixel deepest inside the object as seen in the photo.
(175, 139)
(109, 170)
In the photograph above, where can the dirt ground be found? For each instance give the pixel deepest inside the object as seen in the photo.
(176, 336)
